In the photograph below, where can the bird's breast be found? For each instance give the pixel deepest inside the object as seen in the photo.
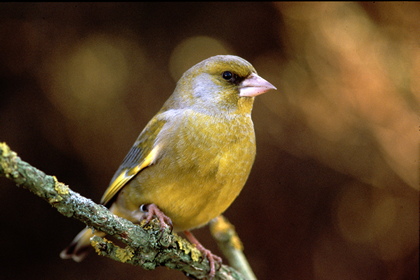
(200, 173)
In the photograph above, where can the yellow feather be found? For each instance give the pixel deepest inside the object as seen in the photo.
(127, 174)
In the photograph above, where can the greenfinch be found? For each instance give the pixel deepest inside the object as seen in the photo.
(194, 156)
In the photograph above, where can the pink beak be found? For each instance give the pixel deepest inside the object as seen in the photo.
(254, 85)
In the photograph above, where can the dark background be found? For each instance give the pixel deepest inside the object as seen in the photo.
(333, 193)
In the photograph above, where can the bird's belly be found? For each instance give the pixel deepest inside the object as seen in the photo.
(191, 195)
(198, 207)
(195, 180)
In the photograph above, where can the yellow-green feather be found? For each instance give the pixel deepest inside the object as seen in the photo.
(206, 149)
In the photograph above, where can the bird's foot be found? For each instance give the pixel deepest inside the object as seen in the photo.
(152, 210)
(213, 259)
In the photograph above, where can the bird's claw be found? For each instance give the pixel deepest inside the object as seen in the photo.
(152, 210)
(212, 258)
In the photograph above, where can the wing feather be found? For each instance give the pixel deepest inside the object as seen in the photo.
(142, 154)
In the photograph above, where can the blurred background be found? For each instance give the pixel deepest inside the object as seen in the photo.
(334, 191)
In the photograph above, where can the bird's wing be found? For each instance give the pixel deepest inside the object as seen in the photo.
(142, 154)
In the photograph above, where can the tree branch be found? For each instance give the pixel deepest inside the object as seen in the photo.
(146, 246)
(229, 243)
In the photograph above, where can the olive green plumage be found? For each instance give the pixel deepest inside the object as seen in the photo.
(194, 156)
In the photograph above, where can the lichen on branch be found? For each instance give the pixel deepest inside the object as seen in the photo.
(148, 246)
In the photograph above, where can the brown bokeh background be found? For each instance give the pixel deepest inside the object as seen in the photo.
(334, 192)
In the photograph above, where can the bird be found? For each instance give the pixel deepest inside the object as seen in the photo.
(193, 157)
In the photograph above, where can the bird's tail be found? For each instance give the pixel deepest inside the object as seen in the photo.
(80, 247)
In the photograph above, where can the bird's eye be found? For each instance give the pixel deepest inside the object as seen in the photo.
(227, 75)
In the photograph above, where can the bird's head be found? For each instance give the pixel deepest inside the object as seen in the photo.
(220, 82)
